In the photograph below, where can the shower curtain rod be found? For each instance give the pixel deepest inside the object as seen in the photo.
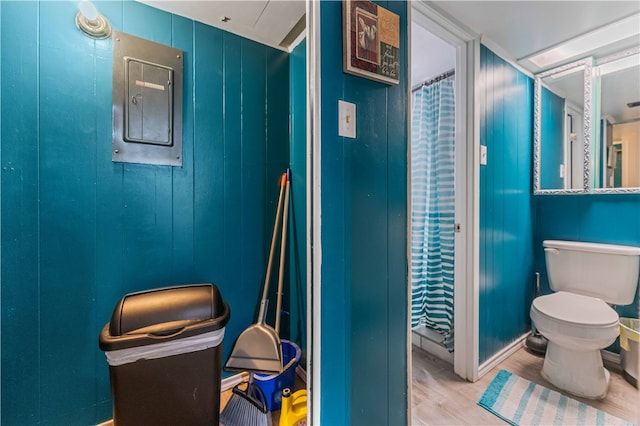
(434, 80)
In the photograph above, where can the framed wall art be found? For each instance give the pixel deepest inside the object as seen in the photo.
(371, 41)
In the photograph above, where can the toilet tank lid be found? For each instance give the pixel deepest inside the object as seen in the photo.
(592, 247)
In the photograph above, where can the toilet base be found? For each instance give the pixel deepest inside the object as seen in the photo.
(578, 372)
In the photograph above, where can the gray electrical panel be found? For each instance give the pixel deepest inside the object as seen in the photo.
(147, 102)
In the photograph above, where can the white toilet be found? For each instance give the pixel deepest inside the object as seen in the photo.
(576, 318)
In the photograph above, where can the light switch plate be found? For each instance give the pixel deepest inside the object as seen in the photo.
(483, 155)
(346, 119)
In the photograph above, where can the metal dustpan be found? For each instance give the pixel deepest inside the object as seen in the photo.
(258, 348)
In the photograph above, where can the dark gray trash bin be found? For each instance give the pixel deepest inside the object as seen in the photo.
(164, 349)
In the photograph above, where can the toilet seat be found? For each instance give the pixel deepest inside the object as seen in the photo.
(576, 310)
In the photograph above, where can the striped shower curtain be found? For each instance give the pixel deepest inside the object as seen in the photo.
(432, 213)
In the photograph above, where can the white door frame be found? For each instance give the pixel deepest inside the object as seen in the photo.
(314, 208)
(467, 151)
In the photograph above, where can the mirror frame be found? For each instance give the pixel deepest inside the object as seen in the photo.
(616, 56)
(587, 63)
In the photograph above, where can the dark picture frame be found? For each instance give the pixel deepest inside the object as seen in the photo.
(371, 41)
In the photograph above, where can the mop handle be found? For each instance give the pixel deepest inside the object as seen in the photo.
(283, 245)
(263, 303)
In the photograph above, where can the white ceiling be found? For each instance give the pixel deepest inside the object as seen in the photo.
(266, 21)
(522, 28)
(518, 29)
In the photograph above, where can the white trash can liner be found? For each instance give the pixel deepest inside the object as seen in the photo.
(165, 349)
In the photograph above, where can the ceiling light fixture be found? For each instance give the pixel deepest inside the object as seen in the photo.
(92, 23)
(582, 44)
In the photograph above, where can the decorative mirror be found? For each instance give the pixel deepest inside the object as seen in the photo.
(562, 129)
(616, 148)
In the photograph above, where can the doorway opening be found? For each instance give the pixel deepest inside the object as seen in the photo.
(432, 147)
(433, 27)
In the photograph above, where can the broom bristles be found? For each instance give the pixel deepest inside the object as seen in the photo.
(240, 411)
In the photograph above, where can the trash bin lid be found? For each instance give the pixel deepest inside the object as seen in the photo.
(162, 314)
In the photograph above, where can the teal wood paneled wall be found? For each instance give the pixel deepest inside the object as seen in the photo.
(506, 207)
(297, 306)
(364, 238)
(602, 218)
(79, 231)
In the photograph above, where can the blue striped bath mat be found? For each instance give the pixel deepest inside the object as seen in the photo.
(521, 402)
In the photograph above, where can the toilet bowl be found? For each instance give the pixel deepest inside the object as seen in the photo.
(576, 318)
(577, 328)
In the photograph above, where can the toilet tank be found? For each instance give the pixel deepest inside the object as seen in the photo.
(606, 271)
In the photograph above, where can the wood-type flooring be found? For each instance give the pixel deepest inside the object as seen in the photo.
(439, 397)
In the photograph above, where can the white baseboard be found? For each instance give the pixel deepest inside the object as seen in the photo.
(302, 373)
(611, 357)
(431, 342)
(229, 382)
(489, 364)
